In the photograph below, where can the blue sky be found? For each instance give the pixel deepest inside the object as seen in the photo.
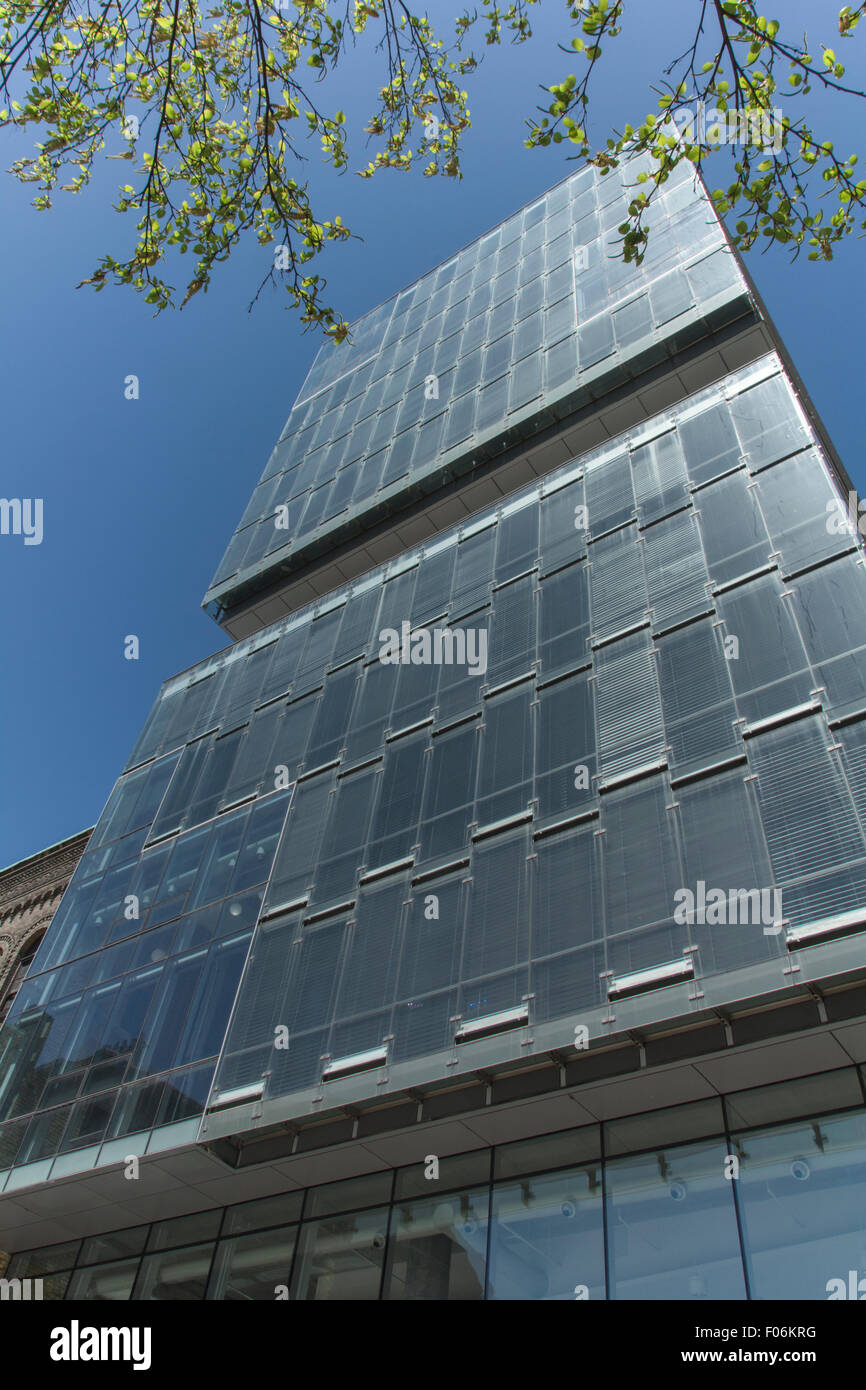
(140, 497)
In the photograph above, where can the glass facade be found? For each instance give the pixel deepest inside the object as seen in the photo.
(464, 795)
(613, 1211)
(533, 315)
(591, 760)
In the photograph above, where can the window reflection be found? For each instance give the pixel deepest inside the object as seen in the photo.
(253, 1267)
(671, 1226)
(341, 1258)
(800, 1191)
(437, 1248)
(104, 1283)
(547, 1238)
(176, 1275)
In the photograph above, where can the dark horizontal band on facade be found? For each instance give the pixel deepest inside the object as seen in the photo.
(558, 826)
(785, 716)
(822, 563)
(741, 579)
(635, 774)
(709, 770)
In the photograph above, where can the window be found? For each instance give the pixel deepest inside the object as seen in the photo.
(437, 1248)
(672, 1231)
(341, 1257)
(547, 1239)
(22, 965)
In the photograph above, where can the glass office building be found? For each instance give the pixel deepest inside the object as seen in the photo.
(518, 331)
(455, 931)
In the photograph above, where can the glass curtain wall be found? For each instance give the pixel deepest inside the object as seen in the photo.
(490, 777)
(523, 318)
(583, 1214)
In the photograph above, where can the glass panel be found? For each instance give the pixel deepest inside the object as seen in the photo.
(642, 871)
(437, 1248)
(371, 710)
(676, 573)
(257, 853)
(723, 849)
(505, 762)
(830, 608)
(460, 682)
(332, 715)
(252, 769)
(168, 1015)
(617, 584)
(567, 907)
(516, 542)
(345, 835)
(547, 1238)
(811, 839)
(564, 621)
(544, 1152)
(768, 663)
(341, 1257)
(802, 1219)
(299, 846)
(205, 1025)
(262, 1007)
(183, 1230)
(796, 498)
(34, 1264)
(732, 527)
(699, 712)
(450, 792)
(394, 828)
(659, 477)
(630, 728)
(497, 927)
(372, 955)
(767, 422)
(315, 976)
(609, 493)
(264, 1212)
(455, 1171)
(104, 1282)
(563, 526)
(179, 795)
(672, 1230)
(179, 1275)
(512, 630)
(565, 763)
(473, 569)
(335, 1197)
(253, 1267)
(709, 443)
(430, 958)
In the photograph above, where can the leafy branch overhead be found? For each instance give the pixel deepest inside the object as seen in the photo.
(214, 104)
(215, 107)
(728, 85)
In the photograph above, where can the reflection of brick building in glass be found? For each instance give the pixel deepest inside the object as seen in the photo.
(30, 892)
